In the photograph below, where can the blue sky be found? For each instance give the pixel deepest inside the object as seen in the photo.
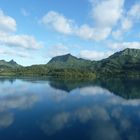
(32, 32)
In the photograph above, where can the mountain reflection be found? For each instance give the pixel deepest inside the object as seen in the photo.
(107, 117)
(86, 110)
(125, 88)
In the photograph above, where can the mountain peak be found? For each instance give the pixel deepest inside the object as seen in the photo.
(12, 61)
(131, 52)
(66, 55)
(62, 58)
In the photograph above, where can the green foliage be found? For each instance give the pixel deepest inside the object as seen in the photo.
(121, 64)
(124, 63)
(8, 65)
(35, 70)
(71, 73)
(68, 62)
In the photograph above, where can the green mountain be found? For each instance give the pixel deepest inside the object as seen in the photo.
(68, 66)
(125, 63)
(69, 62)
(122, 63)
(8, 65)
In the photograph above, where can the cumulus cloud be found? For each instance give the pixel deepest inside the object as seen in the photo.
(58, 22)
(9, 38)
(105, 15)
(61, 24)
(7, 23)
(124, 45)
(95, 55)
(128, 20)
(23, 41)
(10, 52)
(87, 32)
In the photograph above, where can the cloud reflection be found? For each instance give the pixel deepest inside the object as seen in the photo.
(6, 119)
(109, 119)
(14, 96)
(107, 116)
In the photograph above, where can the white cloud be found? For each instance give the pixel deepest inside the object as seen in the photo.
(23, 41)
(61, 24)
(9, 38)
(128, 20)
(95, 55)
(134, 11)
(19, 53)
(126, 24)
(7, 23)
(58, 22)
(56, 50)
(124, 45)
(105, 15)
(87, 32)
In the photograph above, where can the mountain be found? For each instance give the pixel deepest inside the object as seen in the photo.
(4, 65)
(123, 62)
(69, 62)
(63, 58)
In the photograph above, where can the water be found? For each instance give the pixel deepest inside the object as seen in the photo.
(69, 110)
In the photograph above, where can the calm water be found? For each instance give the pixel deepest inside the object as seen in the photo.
(68, 110)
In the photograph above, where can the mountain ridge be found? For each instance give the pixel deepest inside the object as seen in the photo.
(122, 63)
(67, 61)
(8, 64)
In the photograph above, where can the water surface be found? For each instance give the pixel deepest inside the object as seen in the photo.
(69, 110)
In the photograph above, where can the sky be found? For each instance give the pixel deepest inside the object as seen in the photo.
(32, 32)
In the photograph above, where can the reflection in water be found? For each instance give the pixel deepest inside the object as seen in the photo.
(4, 79)
(13, 97)
(38, 109)
(123, 87)
(6, 119)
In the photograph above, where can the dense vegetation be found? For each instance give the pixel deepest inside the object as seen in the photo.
(125, 63)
